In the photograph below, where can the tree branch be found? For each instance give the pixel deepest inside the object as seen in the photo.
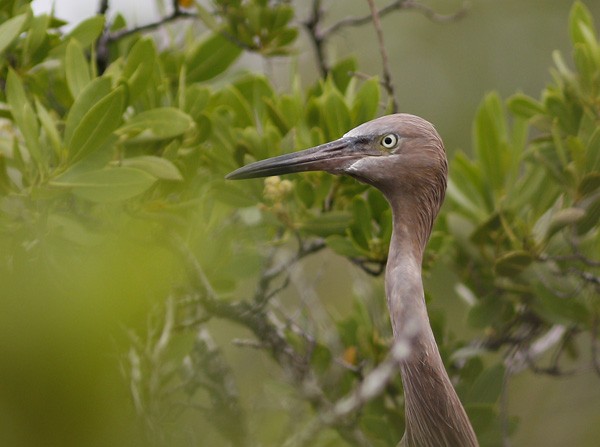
(387, 74)
(395, 6)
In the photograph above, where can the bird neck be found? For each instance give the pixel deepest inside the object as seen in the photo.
(434, 415)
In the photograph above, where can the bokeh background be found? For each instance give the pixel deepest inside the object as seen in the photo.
(66, 336)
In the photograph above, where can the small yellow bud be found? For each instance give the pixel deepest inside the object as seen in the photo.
(350, 355)
(276, 189)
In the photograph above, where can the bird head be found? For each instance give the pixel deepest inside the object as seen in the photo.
(397, 154)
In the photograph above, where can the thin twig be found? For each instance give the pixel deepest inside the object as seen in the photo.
(522, 358)
(394, 6)
(387, 75)
(365, 265)
(262, 295)
(177, 14)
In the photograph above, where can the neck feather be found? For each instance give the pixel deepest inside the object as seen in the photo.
(434, 414)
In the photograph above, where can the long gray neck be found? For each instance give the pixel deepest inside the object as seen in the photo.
(434, 415)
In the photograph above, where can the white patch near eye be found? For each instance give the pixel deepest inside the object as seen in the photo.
(389, 141)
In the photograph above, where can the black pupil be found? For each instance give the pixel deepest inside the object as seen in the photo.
(388, 141)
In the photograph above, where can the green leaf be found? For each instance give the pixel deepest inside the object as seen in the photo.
(156, 124)
(366, 101)
(76, 68)
(485, 312)
(160, 168)
(361, 214)
(49, 127)
(563, 218)
(591, 218)
(487, 387)
(92, 94)
(97, 125)
(490, 140)
(525, 106)
(36, 34)
(342, 246)
(88, 30)
(323, 225)
(512, 263)
(140, 64)
(108, 184)
(579, 15)
(557, 309)
(211, 57)
(589, 184)
(11, 29)
(342, 73)
(24, 116)
(336, 114)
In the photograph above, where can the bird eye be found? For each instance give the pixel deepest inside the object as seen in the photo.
(389, 141)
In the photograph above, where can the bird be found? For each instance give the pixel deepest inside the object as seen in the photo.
(404, 157)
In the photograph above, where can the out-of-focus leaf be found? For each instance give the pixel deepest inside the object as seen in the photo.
(487, 387)
(366, 101)
(360, 229)
(211, 57)
(11, 29)
(559, 310)
(563, 218)
(97, 125)
(486, 312)
(524, 106)
(24, 116)
(140, 64)
(91, 95)
(589, 184)
(160, 168)
(108, 184)
(239, 105)
(591, 218)
(467, 188)
(335, 114)
(512, 263)
(49, 127)
(76, 68)
(342, 73)
(233, 195)
(157, 124)
(36, 34)
(490, 140)
(342, 246)
(323, 225)
(487, 230)
(88, 30)
(579, 17)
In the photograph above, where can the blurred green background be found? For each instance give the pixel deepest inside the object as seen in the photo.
(63, 338)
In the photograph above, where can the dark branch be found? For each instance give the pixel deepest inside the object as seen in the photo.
(395, 6)
(103, 7)
(317, 38)
(177, 14)
(387, 74)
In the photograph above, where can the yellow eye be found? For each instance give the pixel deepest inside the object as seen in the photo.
(389, 141)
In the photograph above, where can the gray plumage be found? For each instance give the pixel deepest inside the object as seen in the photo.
(403, 156)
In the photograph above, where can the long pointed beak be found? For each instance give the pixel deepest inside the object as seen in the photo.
(332, 157)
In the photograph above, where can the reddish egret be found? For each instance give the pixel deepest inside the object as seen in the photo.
(402, 156)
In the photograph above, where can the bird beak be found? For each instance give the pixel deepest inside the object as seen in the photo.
(333, 157)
